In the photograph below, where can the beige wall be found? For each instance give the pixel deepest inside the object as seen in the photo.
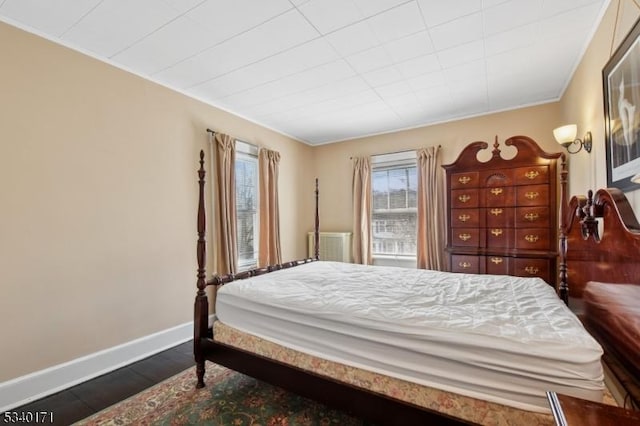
(98, 201)
(334, 166)
(583, 102)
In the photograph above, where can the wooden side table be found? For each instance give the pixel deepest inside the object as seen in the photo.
(571, 411)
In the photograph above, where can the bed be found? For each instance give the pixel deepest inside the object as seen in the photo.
(492, 370)
(601, 261)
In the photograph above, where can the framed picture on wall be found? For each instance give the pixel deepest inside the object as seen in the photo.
(621, 82)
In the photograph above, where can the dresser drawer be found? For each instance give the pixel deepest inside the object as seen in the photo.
(465, 180)
(532, 175)
(532, 195)
(464, 198)
(532, 217)
(463, 263)
(533, 239)
(524, 267)
(499, 237)
(465, 237)
(497, 265)
(496, 217)
(465, 218)
(498, 196)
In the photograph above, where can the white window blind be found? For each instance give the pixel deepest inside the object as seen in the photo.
(246, 169)
(394, 198)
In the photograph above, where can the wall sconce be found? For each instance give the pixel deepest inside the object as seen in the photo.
(566, 136)
(636, 178)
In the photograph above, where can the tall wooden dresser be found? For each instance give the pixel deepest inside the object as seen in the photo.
(502, 213)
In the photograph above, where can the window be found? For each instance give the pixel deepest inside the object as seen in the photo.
(394, 216)
(246, 169)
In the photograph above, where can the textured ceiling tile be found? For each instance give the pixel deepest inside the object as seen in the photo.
(370, 59)
(459, 31)
(438, 12)
(409, 47)
(383, 76)
(353, 39)
(518, 37)
(50, 17)
(223, 19)
(373, 7)
(270, 38)
(418, 66)
(114, 25)
(461, 54)
(426, 81)
(324, 15)
(394, 89)
(511, 14)
(382, 65)
(183, 6)
(176, 41)
(396, 23)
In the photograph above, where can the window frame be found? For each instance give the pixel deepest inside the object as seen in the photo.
(386, 162)
(248, 152)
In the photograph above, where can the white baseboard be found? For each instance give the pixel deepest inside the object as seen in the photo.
(33, 386)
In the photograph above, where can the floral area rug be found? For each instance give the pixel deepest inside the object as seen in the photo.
(229, 398)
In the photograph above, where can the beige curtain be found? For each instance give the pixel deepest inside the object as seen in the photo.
(431, 227)
(362, 234)
(226, 242)
(269, 252)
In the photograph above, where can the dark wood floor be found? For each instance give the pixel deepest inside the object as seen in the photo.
(82, 400)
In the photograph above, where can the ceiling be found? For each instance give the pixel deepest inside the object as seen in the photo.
(328, 70)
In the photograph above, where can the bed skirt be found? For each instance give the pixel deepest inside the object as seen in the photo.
(459, 406)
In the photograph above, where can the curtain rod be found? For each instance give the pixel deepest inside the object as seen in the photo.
(213, 132)
(395, 152)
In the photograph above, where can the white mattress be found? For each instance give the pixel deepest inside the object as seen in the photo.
(499, 338)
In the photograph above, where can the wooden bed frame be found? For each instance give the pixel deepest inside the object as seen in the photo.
(606, 252)
(585, 260)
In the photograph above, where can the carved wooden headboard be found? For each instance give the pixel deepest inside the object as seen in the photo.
(602, 240)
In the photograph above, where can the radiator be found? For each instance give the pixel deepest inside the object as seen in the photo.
(333, 246)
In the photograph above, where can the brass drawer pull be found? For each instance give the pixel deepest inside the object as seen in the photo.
(464, 180)
(531, 238)
(464, 237)
(464, 265)
(531, 270)
(496, 260)
(496, 191)
(531, 217)
(496, 212)
(464, 198)
(464, 217)
(532, 174)
(532, 195)
(496, 232)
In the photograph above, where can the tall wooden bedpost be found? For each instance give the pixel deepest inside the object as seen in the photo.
(316, 229)
(563, 286)
(201, 308)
